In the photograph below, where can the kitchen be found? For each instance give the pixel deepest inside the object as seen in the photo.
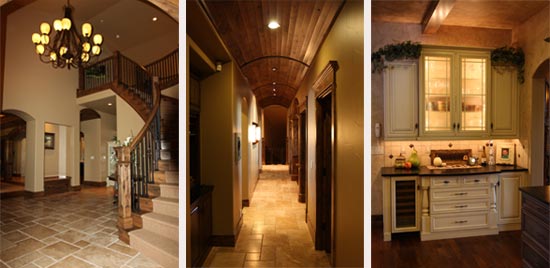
(453, 98)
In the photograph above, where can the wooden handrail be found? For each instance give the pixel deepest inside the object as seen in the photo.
(154, 111)
(163, 58)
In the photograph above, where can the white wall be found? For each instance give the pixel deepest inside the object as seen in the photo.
(108, 131)
(46, 94)
(92, 152)
(128, 121)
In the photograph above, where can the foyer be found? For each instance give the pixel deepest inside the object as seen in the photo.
(274, 233)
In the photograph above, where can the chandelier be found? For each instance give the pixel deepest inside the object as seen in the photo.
(67, 48)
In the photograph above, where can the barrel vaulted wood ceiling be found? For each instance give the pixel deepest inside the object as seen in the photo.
(289, 49)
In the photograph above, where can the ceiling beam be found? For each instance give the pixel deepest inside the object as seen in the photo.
(202, 55)
(435, 15)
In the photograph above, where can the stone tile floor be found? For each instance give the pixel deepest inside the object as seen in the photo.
(274, 231)
(76, 229)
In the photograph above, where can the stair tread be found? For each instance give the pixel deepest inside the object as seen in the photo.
(170, 220)
(167, 200)
(153, 239)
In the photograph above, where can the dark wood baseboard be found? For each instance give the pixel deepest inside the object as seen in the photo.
(294, 177)
(12, 194)
(76, 188)
(95, 183)
(29, 194)
(246, 203)
(302, 198)
(222, 240)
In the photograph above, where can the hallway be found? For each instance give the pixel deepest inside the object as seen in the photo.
(76, 229)
(274, 232)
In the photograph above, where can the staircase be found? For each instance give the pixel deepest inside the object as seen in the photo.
(147, 168)
(159, 237)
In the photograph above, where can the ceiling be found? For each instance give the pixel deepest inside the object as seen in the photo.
(482, 14)
(274, 61)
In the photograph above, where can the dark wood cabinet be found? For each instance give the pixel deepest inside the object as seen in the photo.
(201, 223)
(535, 227)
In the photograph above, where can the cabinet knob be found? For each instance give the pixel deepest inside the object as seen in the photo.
(476, 180)
(446, 182)
(491, 126)
(454, 126)
(458, 126)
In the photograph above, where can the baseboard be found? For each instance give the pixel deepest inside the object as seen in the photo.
(222, 240)
(246, 203)
(76, 188)
(311, 227)
(95, 183)
(29, 194)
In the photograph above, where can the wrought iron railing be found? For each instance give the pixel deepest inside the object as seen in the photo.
(166, 69)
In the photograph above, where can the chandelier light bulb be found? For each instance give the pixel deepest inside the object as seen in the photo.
(57, 25)
(36, 38)
(45, 28)
(62, 51)
(53, 56)
(86, 29)
(85, 57)
(86, 47)
(45, 39)
(98, 39)
(66, 24)
(39, 49)
(96, 50)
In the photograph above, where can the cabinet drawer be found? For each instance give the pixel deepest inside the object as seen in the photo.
(459, 194)
(475, 181)
(463, 221)
(459, 206)
(445, 182)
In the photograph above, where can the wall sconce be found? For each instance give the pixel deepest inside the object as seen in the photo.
(218, 66)
(255, 133)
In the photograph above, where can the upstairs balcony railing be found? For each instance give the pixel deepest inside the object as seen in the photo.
(166, 69)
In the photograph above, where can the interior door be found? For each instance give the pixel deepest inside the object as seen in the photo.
(324, 228)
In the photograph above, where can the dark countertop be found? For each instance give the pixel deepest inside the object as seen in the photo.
(424, 171)
(541, 193)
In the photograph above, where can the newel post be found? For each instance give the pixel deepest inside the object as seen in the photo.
(124, 190)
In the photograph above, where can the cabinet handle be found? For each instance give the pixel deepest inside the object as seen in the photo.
(454, 126)
(458, 126)
(476, 180)
(446, 182)
(194, 210)
(462, 193)
(416, 126)
(491, 126)
(461, 206)
(463, 221)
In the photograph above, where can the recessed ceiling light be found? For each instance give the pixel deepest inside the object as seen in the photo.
(274, 83)
(274, 94)
(117, 36)
(273, 25)
(155, 18)
(109, 104)
(274, 90)
(274, 69)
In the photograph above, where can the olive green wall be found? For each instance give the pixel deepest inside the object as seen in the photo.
(343, 44)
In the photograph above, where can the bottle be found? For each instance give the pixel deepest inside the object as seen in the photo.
(491, 154)
(414, 159)
(483, 157)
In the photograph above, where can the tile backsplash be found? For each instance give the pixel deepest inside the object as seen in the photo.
(393, 148)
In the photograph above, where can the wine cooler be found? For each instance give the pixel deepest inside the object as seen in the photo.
(405, 204)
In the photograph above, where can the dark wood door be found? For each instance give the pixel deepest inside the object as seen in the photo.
(324, 175)
(302, 161)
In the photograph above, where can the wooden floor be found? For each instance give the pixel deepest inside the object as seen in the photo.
(406, 250)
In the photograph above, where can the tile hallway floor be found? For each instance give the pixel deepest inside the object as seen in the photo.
(76, 229)
(274, 231)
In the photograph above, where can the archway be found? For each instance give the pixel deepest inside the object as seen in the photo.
(275, 125)
(540, 135)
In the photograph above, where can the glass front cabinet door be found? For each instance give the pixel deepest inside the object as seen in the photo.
(454, 93)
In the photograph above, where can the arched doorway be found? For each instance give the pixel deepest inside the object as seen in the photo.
(13, 140)
(541, 125)
(275, 139)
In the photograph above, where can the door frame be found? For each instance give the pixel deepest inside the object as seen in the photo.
(325, 86)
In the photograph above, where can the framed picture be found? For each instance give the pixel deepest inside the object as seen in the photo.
(237, 147)
(505, 154)
(49, 140)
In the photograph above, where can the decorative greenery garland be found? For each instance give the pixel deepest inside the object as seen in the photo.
(509, 56)
(404, 50)
(504, 56)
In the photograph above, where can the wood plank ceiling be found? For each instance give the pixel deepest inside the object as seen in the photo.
(274, 61)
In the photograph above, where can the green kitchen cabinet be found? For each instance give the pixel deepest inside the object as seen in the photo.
(504, 102)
